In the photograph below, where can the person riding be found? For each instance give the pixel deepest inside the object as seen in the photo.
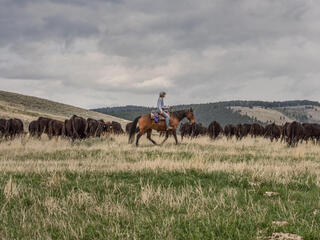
(161, 109)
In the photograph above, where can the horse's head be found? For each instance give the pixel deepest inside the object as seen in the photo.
(190, 115)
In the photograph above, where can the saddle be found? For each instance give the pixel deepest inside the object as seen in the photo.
(157, 116)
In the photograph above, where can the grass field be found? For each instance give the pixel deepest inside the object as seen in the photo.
(200, 189)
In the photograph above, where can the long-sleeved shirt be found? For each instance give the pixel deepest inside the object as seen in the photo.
(160, 105)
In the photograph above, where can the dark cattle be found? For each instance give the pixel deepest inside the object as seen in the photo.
(15, 127)
(4, 128)
(285, 132)
(116, 128)
(296, 133)
(43, 125)
(34, 128)
(256, 130)
(78, 127)
(128, 128)
(94, 128)
(185, 130)
(242, 130)
(311, 131)
(272, 131)
(214, 130)
(198, 130)
(67, 128)
(55, 128)
(230, 130)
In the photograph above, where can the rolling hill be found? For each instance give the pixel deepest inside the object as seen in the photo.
(235, 112)
(28, 108)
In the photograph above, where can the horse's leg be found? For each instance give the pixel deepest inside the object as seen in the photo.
(149, 137)
(138, 137)
(175, 136)
(165, 139)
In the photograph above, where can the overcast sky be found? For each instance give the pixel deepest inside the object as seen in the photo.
(96, 53)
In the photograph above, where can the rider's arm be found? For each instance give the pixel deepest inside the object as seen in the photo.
(159, 105)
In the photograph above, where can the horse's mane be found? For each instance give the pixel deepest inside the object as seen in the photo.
(179, 114)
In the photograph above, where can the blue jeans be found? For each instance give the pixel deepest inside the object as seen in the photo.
(167, 118)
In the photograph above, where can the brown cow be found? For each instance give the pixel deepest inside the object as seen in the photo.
(67, 128)
(242, 130)
(34, 128)
(15, 127)
(185, 130)
(4, 128)
(78, 127)
(272, 131)
(214, 130)
(311, 131)
(128, 128)
(55, 128)
(230, 130)
(285, 132)
(116, 128)
(43, 125)
(296, 133)
(256, 130)
(94, 128)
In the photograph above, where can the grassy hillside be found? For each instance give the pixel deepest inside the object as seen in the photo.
(29, 108)
(200, 189)
(236, 111)
(265, 115)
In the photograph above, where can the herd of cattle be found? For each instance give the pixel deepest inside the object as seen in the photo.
(75, 128)
(292, 133)
(79, 128)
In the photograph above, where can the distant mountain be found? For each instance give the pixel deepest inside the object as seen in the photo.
(235, 112)
(28, 108)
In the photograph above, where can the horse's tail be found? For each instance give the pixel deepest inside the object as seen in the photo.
(133, 129)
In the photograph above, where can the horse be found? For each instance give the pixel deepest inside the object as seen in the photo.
(146, 124)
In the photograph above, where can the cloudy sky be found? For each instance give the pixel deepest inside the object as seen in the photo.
(95, 53)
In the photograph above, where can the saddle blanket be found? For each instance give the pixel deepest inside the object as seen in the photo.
(157, 116)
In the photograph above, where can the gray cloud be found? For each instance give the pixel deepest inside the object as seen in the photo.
(115, 52)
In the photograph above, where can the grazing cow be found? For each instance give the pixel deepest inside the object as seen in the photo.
(230, 130)
(214, 130)
(296, 133)
(43, 125)
(78, 127)
(4, 128)
(116, 128)
(198, 130)
(272, 131)
(311, 131)
(128, 128)
(55, 128)
(185, 130)
(34, 128)
(256, 130)
(67, 128)
(285, 132)
(94, 128)
(242, 130)
(15, 127)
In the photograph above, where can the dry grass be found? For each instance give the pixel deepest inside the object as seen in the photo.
(113, 154)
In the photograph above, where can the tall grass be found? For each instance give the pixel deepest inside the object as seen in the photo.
(200, 189)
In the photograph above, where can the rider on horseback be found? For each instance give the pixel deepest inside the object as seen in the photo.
(161, 109)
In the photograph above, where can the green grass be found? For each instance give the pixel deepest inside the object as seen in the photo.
(189, 205)
(201, 189)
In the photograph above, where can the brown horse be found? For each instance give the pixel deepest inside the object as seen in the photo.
(146, 124)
